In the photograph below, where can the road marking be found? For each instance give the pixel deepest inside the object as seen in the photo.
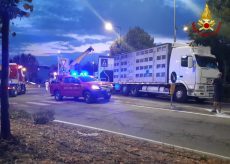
(221, 115)
(144, 139)
(52, 102)
(13, 103)
(37, 103)
(20, 105)
(207, 109)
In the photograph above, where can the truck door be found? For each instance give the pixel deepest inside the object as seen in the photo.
(187, 71)
(77, 88)
(67, 87)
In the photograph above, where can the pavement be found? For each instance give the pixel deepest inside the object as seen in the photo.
(188, 125)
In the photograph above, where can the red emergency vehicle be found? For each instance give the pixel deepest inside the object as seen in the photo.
(82, 86)
(16, 79)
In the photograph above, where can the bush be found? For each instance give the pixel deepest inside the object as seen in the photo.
(15, 114)
(43, 117)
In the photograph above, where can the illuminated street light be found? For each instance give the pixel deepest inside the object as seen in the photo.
(185, 28)
(110, 27)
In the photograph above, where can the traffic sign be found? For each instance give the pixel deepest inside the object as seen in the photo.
(104, 62)
(173, 77)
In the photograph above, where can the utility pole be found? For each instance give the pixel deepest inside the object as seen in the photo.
(174, 16)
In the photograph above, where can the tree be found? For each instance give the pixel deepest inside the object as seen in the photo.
(8, 10)
(135, 39)
(220, 43)
(30, 63)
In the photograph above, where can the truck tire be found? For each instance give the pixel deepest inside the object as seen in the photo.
(14, 93)
(23, 89)
(88, 97)
(58, 96)
(180, 94)
(107, 98)
(134, 92)
(125, 90)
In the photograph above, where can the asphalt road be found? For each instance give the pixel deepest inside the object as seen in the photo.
(188, 125)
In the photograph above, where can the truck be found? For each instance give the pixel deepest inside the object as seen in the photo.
(82, 86)
(153, 70)
(17, 83)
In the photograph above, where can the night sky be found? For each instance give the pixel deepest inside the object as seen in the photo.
(71, 26)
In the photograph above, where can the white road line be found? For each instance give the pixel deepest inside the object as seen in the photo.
(144, 139)
(209, 115)
(207, 109)
(22, 106)
(37, 103)
(13, 103)
(52, 102)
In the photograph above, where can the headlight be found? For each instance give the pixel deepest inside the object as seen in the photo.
(11, 87)
(95, 87)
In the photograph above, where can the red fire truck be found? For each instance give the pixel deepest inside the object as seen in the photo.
(16, 79)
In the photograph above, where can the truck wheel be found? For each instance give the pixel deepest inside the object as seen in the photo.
(23, 89)
(87, 97)
(58, 96)
(180, 94)
(14, 93)
(125, 90)
(134, 92)
(107, 98)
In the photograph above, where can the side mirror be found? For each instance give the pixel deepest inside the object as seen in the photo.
(190, 62)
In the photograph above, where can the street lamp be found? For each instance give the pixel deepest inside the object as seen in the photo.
(110, 27)
(93, 66)
(185, 28)
(58, 60)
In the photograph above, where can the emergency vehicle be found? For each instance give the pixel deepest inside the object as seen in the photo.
(16, 79)
(82, 86)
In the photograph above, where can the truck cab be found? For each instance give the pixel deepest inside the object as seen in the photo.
(195, 69)
(82, 86)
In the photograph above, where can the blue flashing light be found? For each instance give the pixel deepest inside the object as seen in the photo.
(74, 73)
(84, 73)
(117, 87)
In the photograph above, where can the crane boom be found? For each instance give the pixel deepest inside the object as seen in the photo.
(79, 58)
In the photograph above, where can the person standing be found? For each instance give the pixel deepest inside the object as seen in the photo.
(47, 86)
(218, 88)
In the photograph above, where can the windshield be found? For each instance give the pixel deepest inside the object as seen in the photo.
(87, 78)
(204, 61)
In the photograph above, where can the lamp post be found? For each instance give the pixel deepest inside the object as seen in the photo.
(174, 15)
(58, 61)
(93, 67)
(185, 28)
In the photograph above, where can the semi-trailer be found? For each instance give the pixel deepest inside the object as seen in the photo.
(153, 70)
